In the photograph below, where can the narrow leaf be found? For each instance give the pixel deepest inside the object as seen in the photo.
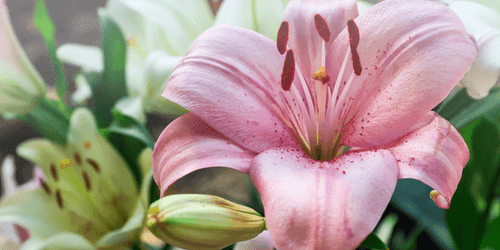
(110, 86)
(461, 110)
(130, 140)
(491, 235)
(469, 210)
(46, 27)
(48, 120)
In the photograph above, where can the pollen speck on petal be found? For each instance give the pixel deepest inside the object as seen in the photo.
(282, 38)
(322, 27)
(288, 71)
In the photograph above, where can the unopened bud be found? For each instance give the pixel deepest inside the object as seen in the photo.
(195, 221)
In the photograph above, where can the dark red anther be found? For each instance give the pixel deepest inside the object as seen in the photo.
(282, 38)
(353, 33)
(356, 63)
(353, 30)
(86, 180)
(288, 71)
(53, 172)
(94, 165)
(322, 27)
(59, 199)
(78, 159)
(45, 187)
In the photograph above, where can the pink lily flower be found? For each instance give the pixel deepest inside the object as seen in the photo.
(286, 113)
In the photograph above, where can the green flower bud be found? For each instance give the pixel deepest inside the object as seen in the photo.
(196, 221)
(21, 87)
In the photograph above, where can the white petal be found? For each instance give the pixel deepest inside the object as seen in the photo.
(83, 90)
(88, 57)
(132, 107)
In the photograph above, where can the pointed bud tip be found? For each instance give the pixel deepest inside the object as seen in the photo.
(439, 199)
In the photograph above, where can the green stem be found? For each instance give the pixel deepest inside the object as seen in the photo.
(49, 120)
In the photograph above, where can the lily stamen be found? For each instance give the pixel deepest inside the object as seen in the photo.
(282, 38)
(59, 199)
(354, 42)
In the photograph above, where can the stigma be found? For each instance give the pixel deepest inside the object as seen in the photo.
(321, 74)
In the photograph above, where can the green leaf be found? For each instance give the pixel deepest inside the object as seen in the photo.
(491, 235)
(412, 197)
(130, 139)
(134, 130)
(110, 86)
(468, 214)
(460, 109)
(129, 148)
(46, 27)
(372, 241)
(256, 200)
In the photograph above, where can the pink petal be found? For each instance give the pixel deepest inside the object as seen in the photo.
(323, 205)
(412, 54)
(304, 39)
(435, 154)
(189, 144)
(227, 79)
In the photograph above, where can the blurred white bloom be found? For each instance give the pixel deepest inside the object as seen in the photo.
(159, 33)
(20, 84)
(89, 198)
(484, 24)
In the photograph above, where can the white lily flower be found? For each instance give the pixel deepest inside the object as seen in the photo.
(483, 23)
(90, 199)
(21, 87)
(159, 33)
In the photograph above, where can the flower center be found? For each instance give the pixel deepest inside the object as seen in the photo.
(132, 42)
(316, 108)
(84, 195)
